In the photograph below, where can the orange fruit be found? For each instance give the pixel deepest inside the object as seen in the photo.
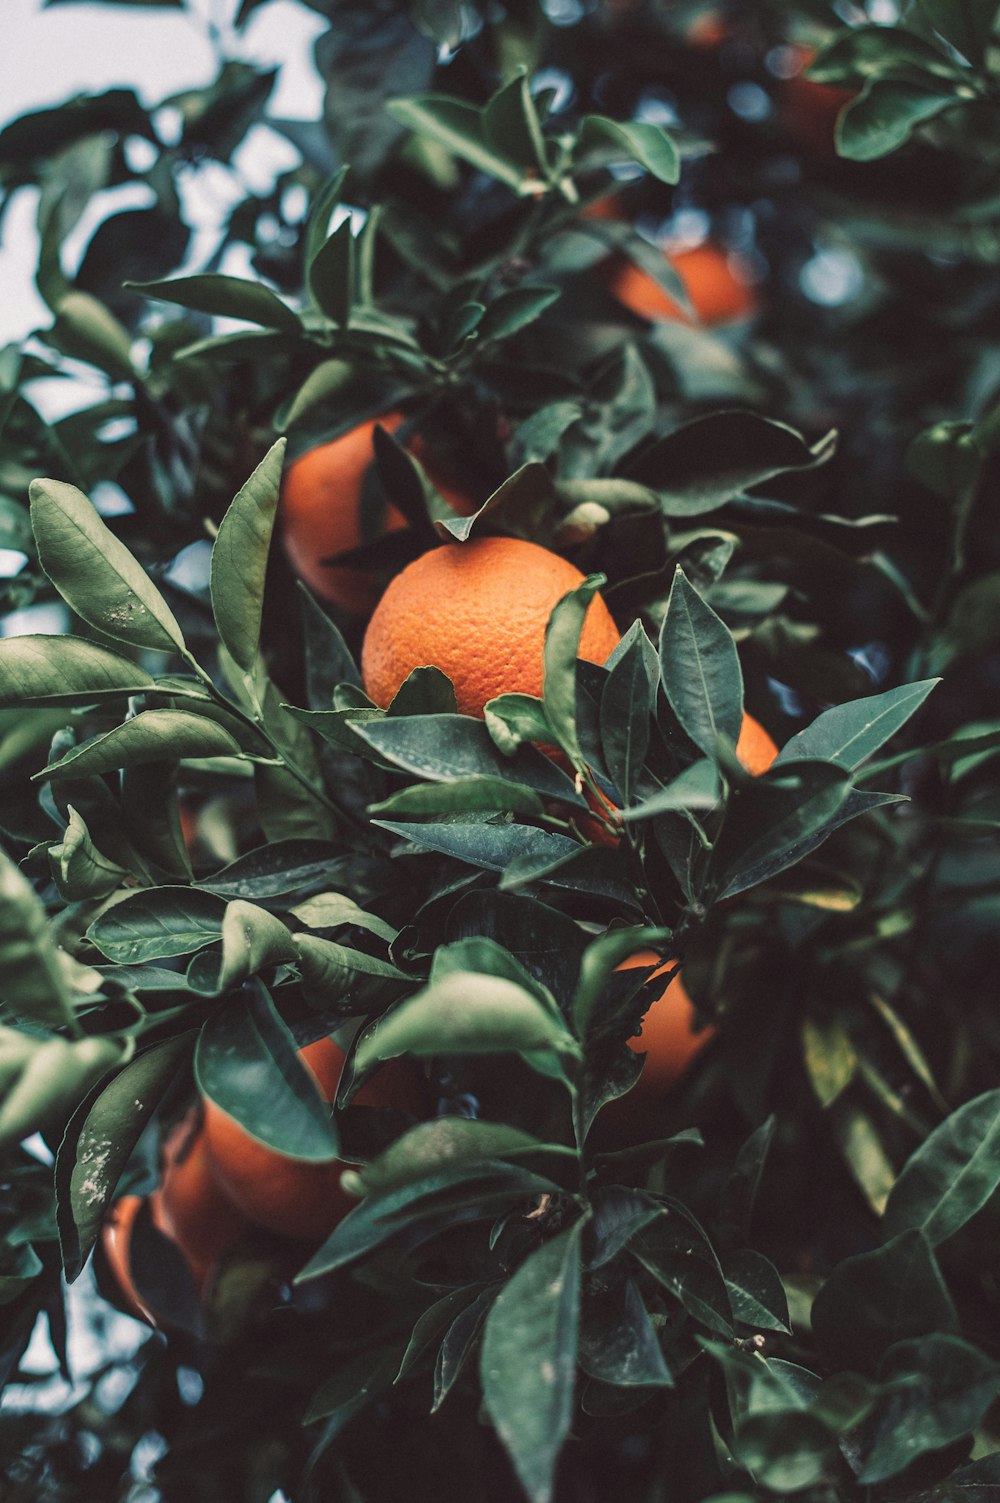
(669, 1038)
(189, 1206)
(289, 1196)
(715, 280)
(808, 110)
(116, 1241)
(477, 611)
(321, 511)
(755, 748)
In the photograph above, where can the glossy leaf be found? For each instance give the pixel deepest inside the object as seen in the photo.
(466, 1013)
(100, 1139)
(849, 734)
(64, 670)
(32, 982)
(944, 1388)
(157, 924)
(239, 559)
(562, 642)
(150, 736)
(528, 1360)
(95, 573)
(247, 1063)
(700, 668)
(951, 1175)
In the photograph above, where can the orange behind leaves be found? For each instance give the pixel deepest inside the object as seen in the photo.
(321, 512)
(288, 1196)
(190, 1206)
(755, 748)
(716, 282)
(477, 611)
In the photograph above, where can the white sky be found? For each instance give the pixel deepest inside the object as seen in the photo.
(48, 55)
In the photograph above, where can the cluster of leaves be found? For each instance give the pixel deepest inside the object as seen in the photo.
(787, 1285)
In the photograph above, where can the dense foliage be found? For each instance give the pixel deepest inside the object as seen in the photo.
(780, 1278)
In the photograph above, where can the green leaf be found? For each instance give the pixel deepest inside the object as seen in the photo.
(700, 668)
(675, 1250)
(78, 867)
(331, 275)
(458, 1344)
(87, 330)
(446, 747)
(248, 1064)
(511, 126)
(332, 973)
(707, 462)
(830, 1058)
(945, 1388)
(225, 297)
(562, 643)
(951, 1175)
(491, 846)
(786, 1450)
(849, 734)
(445, 1140)
(32, 983)
(515, 310)
(467, 1013)
(600, 959)
(515, 719)
(42, 1078)
(99, 1142)
(95, 573)
(699, 786)
(969, 25)
(239, 559)
(463, 796)
(417, 1210)
(357, 1383)
(253, 940)
(887, 112)
(64, 670)
(874, 1299)
(946, 459)
(150, 736)
(458, 126)
(756, 1292)
(864, 50)
(528, 1360)
(772, 823)
(618, 1344)
(627, 700)
(158, 924)
(636, 141)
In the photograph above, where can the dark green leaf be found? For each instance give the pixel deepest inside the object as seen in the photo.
(874, 1299)
(969, 25)
(32, 982)
(150, 736)
(99, 1141)
(247, 1063)
(225, 297)
(459, 127)
(755, 1291)
(887, 112)
(849, 734)
(618, 1344)
(528, 1360)
(951, 1175)
(157, 924)
(331, 275)
(700, 668)
(709, 461)
(515, 310)
(239, 559)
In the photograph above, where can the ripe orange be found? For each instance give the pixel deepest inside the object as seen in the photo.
(808, 110)
(477, 611)
(116, 1240)
(321, 511)
(668, 1039)
(288, 1196)
(755, 748)
(716, 281)
(190, 1206)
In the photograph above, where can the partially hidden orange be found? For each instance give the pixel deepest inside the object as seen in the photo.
(717, 283)
(287, 1196)
(478, 611)
(320, 513)
(808, 110)
(116, 1242)
(190, 1205)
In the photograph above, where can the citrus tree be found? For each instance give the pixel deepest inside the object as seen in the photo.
(498, 888)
